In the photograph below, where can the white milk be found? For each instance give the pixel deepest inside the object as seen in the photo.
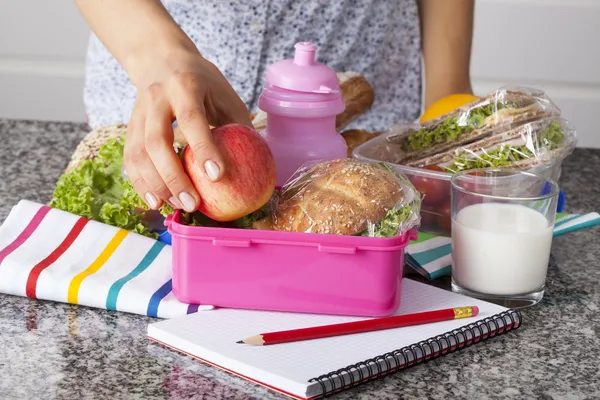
(500, 249)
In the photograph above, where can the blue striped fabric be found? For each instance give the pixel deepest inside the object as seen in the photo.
(157, 298)
(113, 292)
(132, 274)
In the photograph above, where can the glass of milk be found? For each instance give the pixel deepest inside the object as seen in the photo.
(502, 224)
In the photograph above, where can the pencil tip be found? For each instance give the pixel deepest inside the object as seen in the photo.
(240, 342)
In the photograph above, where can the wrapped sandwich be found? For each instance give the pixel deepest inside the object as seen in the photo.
(523, 147)
(345, 197)
(507, 129)
(502, 110)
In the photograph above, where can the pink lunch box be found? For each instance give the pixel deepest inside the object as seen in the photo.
(287, 271)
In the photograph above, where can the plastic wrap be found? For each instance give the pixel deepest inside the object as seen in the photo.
(524, 147)
(347, 197)
(494, 114)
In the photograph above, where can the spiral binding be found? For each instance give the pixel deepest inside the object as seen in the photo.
(426, 350)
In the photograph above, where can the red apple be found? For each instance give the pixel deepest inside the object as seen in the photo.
(249, 179)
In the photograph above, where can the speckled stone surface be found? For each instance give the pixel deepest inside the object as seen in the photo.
(59, 351)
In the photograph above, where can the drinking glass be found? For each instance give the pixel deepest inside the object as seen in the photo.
(502, 226)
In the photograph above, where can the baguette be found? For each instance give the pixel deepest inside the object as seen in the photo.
(358, 97)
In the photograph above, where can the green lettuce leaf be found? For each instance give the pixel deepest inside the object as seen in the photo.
(98, 191)
(391, 224)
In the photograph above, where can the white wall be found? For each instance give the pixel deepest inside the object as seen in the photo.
(549, 44)
(42, 50)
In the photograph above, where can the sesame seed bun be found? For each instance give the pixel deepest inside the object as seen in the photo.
(338, 197)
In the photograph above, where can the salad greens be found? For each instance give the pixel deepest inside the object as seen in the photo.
(396, 219)
(391, 224)
(451, 127)
(548, 138)
(97, 190)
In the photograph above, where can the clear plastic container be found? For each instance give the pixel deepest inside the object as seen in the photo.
(287, 271)
(433, 185)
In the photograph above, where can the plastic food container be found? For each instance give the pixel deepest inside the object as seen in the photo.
(286, 271)
(434, 185)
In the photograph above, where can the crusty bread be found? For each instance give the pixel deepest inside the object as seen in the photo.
(356, 137)
(338, 197)
(358, 97)
(89, 146)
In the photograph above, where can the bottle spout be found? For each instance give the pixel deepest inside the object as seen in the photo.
(305, 53)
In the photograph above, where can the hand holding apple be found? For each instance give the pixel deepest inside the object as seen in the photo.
(249, 180)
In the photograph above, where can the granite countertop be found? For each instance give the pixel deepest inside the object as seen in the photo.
(59, 351)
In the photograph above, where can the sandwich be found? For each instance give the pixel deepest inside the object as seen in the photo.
(496, 112)
(346, 197)
(521, 147)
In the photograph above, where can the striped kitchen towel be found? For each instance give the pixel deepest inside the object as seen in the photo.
(53, 255)
(431, 255)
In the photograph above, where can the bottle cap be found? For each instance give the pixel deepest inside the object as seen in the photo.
(303, 73)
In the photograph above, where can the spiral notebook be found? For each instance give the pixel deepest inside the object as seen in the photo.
(314, 368)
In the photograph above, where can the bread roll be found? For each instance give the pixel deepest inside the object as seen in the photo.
(358, 97)
(339, 197)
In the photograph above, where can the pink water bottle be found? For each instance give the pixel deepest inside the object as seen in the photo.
(301, 99)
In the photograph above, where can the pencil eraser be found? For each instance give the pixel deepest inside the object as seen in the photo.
(475, 310)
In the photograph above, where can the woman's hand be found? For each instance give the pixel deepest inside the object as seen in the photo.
(187, 88)
(173, 82)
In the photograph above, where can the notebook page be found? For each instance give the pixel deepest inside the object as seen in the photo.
(212, 336)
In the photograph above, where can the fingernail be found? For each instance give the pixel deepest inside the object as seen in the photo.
(175, 203)
(189, 204)
(212, 170)
(151, 200)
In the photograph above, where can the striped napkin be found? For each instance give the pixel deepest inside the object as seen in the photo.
(53, 255)
(430, 255)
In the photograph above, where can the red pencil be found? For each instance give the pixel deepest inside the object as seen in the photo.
(368, 325)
